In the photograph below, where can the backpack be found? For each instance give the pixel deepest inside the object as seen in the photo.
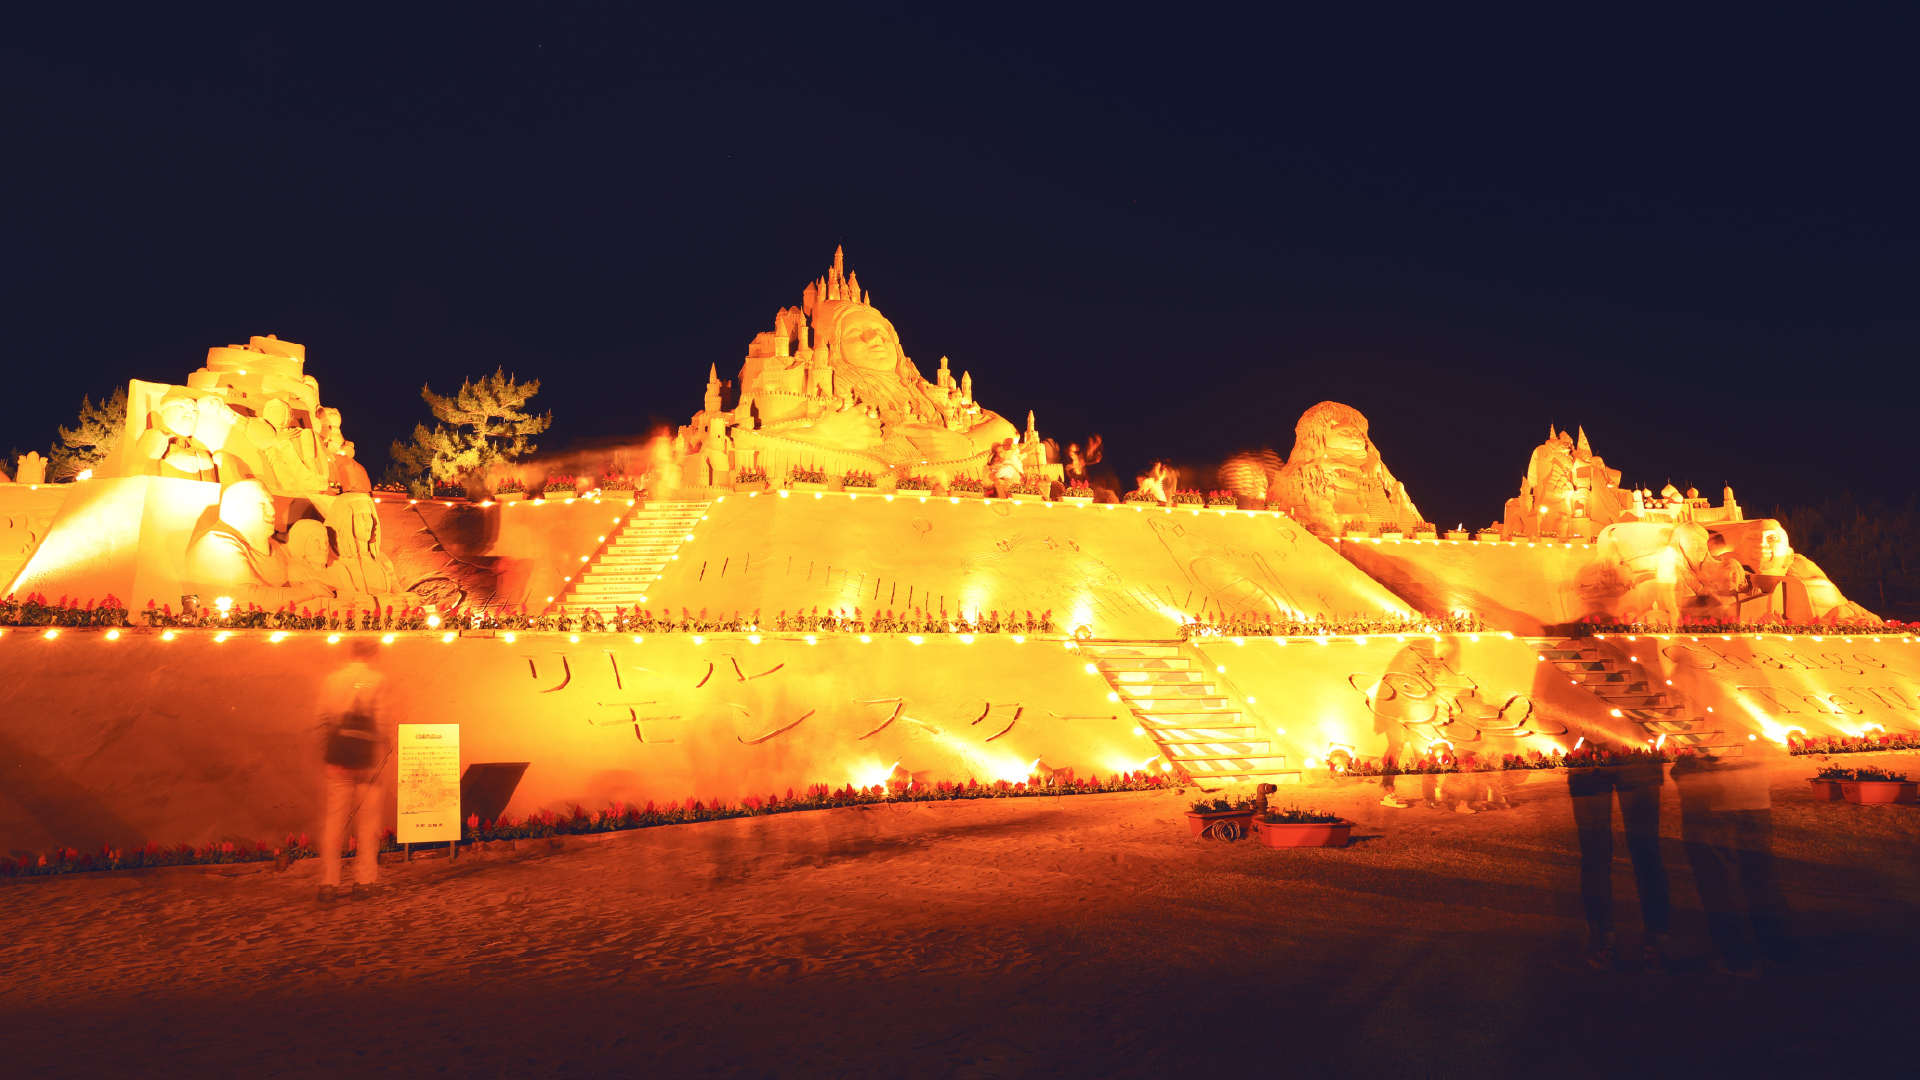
(350, 743)
(351, 740)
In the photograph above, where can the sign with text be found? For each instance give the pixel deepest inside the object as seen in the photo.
(429, 798)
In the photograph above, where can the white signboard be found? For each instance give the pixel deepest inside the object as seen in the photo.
(429, 799)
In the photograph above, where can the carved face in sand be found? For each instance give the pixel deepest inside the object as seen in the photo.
(865, 339)
(1330, 431)
(307, 541)
(246, 508)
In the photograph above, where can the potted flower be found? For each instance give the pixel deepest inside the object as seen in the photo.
(1459, 534)
(1188, 497)
(1826, 785)
(613, 481)
(1872, 787)
(1223, 499)
(965, 487)
(510, 490)
(750, 478)
(1136, 496)
(1031, 489)
(1079, 493)
(1425, 530)
(806, 478)
(1488, 536)
(1357, 530)
(919, 485)
(1392, 531)
(1294, 827)
(1275, 508)
(855, 480)
(1224, 819)
(557, 486)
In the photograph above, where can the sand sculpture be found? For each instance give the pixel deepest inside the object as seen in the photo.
(31, 469)
(251, 489)
(831, 388)
(1334, 480)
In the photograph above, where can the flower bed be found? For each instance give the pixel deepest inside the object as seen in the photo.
(857, 479)
(964, 485)
(1250, 625)
(564, 485)
(752, 474)
(617, 817)
(1605, 624)
(1223, 499)
(510, 486)
(806, 476)
(913, 483)
(1079, 489)
(1137, 496)
(1853, 744)
(1188, 497)
(35, 610)
(616, 482)
(1030, 487)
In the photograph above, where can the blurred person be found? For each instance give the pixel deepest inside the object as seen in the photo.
(1726, 827)
(1592, 791)
(352, 708)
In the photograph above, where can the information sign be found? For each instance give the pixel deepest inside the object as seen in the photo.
(429, 799)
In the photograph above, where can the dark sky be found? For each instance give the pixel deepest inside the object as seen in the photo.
(1176, 228)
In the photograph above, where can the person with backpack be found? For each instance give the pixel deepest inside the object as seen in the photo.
(357, 745)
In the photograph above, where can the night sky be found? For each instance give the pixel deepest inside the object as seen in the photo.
(1178, 229)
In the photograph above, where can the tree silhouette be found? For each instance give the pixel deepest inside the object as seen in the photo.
(481, 425)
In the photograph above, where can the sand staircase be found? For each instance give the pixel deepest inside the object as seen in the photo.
(1173, 699)
(633, 557)
(1618, 680)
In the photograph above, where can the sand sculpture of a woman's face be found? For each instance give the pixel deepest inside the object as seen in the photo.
(864, 338)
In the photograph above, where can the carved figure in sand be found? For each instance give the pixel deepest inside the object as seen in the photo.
(250, 413)
(355, 523)
(832, 376)
(347, 474)
(1334, 478)
(236, 556)
(1569, 491)
(1665, 574)
(32, 469)
(311, 557)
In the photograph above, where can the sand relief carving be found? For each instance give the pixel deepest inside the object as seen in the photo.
(1225, 575)
(1424, 690)
(1335, 479)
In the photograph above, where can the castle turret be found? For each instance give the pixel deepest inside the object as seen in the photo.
(712, 403)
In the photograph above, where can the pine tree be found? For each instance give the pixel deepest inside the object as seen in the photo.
(482, 425)
(84, 447)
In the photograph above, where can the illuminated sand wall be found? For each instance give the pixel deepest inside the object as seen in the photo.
(192, 739)
(145, 738)
(1123, 571)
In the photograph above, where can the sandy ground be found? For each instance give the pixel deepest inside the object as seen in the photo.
(1086, 936)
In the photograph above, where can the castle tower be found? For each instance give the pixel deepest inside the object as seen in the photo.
(966, 388)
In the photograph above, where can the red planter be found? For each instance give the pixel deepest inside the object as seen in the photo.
(1241, 820)
(1316, 834)
(1878, 792)
(1825, 790)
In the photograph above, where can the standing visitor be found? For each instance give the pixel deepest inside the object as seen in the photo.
(357, 745)
(1726, 826)
(1593, 789)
